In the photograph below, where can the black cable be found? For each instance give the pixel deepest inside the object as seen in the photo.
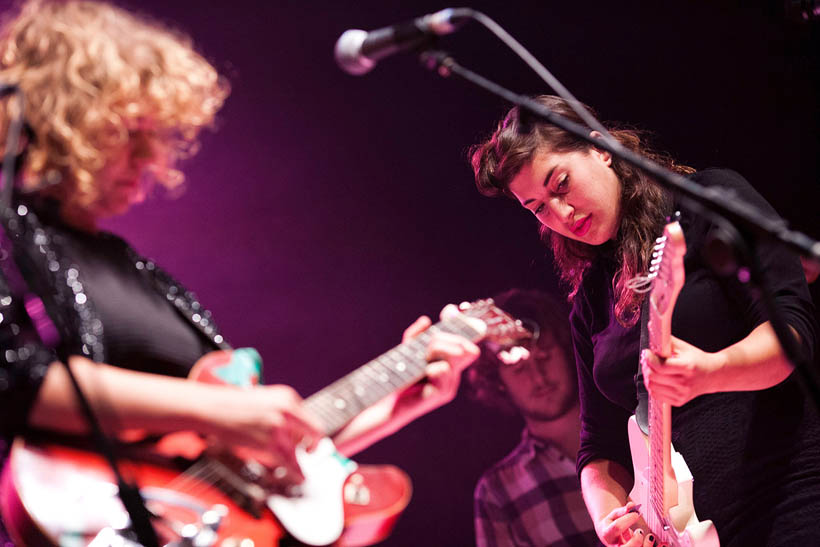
(12, 144)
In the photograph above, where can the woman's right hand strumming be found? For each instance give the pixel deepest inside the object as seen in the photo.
(269, 420)
(624, 527)
(605, 485)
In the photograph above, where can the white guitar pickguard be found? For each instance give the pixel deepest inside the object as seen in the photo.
(682, 516)
(317, 516)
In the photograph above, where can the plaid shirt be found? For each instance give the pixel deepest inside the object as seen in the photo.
(532, 497)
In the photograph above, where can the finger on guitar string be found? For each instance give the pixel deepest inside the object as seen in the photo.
(439, 373)
(440, 378)
(663, 367)
(670, 382)
(456, 350)
(278, 411)
(302, 433)
(419, 325)
(290, 403)
(636, 538)
(285, 469)
(616, 526)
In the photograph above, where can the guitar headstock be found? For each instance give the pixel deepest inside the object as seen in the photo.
(501, 327)
(667, 266)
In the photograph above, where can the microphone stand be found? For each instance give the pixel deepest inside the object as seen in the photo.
(15, 265)
(713, 202)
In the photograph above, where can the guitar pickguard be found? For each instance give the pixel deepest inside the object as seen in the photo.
(316, 517)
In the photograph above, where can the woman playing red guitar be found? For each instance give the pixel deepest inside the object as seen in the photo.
(112, 101)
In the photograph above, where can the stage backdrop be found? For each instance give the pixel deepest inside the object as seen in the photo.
(327, 212)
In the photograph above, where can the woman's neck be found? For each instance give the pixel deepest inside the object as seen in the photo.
(79, 219)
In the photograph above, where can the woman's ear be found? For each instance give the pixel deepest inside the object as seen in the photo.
(604, 155)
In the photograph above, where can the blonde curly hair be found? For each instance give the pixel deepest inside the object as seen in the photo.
(91, 73)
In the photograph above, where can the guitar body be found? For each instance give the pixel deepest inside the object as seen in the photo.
(56, 495)
(688, 530)
(52, 494)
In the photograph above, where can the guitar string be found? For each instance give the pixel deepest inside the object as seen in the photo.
(199, 473)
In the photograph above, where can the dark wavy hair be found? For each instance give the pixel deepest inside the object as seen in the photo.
(644, 204)
(550, 315)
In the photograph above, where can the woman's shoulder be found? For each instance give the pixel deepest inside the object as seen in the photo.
(718, 176)
(734, 185)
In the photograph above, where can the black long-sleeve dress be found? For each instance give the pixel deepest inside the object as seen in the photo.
(754, 456)
(112, 305)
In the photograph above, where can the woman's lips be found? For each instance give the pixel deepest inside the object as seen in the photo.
(128, 183)
(581, 227)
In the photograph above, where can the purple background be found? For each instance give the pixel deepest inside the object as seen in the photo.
(328, 212)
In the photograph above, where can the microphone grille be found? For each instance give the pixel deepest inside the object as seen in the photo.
(348, 53)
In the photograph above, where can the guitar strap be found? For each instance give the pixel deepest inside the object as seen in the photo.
(642, 410)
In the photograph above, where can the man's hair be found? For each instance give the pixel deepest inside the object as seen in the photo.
(538, 311)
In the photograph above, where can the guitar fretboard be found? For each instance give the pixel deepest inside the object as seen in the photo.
(668, 262)
(394, 370)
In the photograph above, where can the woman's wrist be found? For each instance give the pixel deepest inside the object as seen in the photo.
(717, 371)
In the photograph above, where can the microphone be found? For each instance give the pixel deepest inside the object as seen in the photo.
(357, 50)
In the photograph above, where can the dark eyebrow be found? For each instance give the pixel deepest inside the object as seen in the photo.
(546, 181)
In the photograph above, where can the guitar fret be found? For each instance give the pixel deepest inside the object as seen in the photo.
(413, 354)
(401, 370)
(371, 376)
(346, 397)
(367, 387)
(398, 363)
(322, 409)
(346, 402)
(387, 375)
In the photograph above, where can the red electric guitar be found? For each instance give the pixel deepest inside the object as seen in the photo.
(663, 482)
(61, 493)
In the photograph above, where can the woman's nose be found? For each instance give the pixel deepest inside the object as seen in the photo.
(562, 210)
(142, 149)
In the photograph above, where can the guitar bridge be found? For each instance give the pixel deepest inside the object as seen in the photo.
(238, 479)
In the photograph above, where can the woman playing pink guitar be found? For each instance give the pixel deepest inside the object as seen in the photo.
(740, 420)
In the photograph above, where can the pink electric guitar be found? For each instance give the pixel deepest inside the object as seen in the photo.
(58, 493)
(663, 482)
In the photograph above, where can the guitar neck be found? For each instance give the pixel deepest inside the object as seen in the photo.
(392, 371)
(667, 286)
(663, 487)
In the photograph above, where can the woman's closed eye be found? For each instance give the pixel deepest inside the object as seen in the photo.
(538, 210)
(562, 184)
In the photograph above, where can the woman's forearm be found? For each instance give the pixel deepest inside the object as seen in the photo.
(121, 399)
(605, 486)
(756, 362)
